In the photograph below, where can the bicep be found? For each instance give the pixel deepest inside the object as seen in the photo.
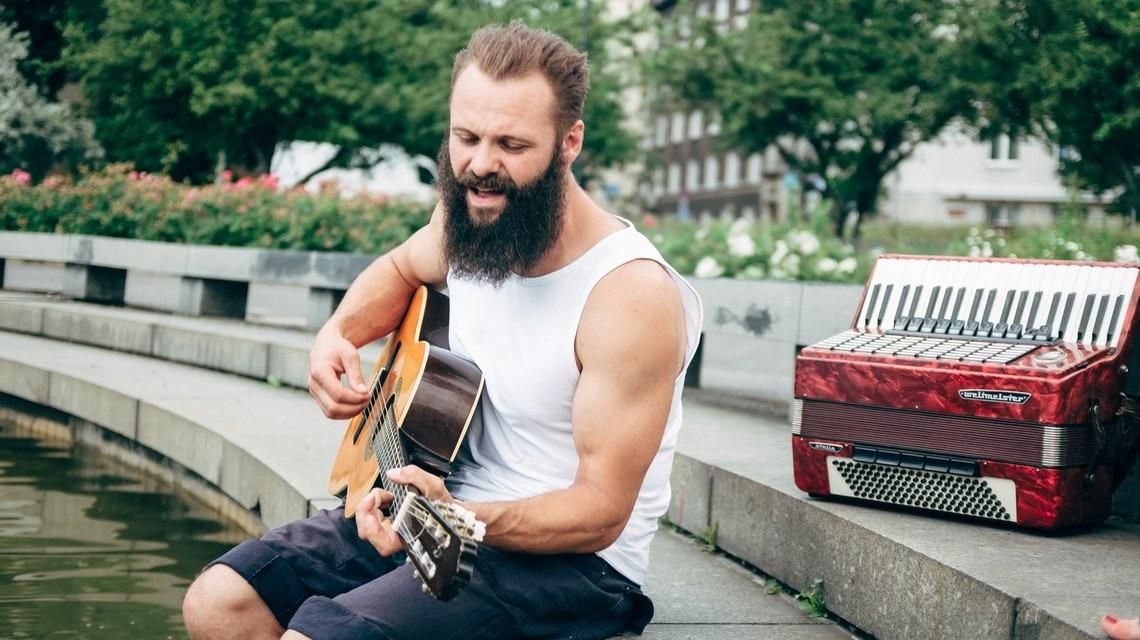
(631, 345)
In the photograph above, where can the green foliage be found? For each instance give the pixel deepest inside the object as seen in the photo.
(806, 252)
(860, 83)
(122, 203)
(1068, 72)
(811, 600)
(35, 133)
(174, 83)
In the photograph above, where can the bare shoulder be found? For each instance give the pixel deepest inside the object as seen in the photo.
(636, 308)
(421, 257)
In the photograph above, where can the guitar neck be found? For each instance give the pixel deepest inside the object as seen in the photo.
(390, 455)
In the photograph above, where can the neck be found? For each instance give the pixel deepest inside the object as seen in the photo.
(583, 225)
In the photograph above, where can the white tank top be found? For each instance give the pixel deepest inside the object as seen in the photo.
(521, 334)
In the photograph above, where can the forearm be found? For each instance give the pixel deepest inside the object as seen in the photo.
(578, 519)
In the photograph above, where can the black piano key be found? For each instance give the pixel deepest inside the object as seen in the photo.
(886, 301)
(871, 305)
(1033, 310)
(1020, 309)
(1099, 323)
(1007, 306)
(901, 317)
(914, 321)
(930, 320)
(951, 324)
(1048, 330)
(1082, 328)
(1116, 309)
(1069, 300)
(984, 325)
(971, 325)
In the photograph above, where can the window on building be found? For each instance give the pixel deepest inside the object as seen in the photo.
(693, 175)
(712, 172)
(674, 178)
(755, 168)
(1004, 148)
(731, 169)
(658, 181)
(662, 130)
(714, 125)
(678, 133)
(696, 125)
(722, 8)
(1002, 215)
(702, 9)
(743, 5)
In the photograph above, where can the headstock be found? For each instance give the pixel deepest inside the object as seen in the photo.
(441, 541)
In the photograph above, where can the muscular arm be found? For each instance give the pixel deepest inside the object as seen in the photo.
(372, 307)
(631, 345)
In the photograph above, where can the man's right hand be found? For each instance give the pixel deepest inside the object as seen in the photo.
(331, 357)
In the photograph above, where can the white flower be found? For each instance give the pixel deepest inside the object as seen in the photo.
(1126, 253)
(975, 251)
(792, 265)
(752, 271)
(779, 254)
(826, 265)
(701, 233)
(741, 245)
(804, 242)
(847, 265)
(1072, 246)
(708, 267)
(740, 225)
(987, 250)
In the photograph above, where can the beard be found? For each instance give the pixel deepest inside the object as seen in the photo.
(482, 247)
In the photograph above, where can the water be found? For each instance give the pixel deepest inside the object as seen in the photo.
(92, 549)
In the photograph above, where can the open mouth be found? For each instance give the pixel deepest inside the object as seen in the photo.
(484, 193)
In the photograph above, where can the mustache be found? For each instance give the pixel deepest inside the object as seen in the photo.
(490, 182)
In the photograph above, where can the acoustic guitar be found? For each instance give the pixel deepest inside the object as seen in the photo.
(423, 400)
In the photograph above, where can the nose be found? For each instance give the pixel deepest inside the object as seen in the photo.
(484, 160)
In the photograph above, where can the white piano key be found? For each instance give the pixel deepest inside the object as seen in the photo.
(1073, 281)
(1123, 284)
(1100, 282)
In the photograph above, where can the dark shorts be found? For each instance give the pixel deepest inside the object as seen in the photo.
(320, 579)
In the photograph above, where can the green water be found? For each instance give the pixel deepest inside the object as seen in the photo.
(90, 548)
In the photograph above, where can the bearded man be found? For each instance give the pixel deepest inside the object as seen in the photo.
(583, 334)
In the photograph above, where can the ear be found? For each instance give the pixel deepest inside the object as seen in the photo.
(572, 142)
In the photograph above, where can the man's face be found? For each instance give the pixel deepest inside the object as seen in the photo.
(502, 175)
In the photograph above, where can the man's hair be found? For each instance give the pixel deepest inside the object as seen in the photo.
(515, 50)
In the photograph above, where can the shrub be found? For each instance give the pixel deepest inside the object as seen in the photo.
(123, 203)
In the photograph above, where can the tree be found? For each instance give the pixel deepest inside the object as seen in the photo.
(35, 133)
(1068, 71)
(859, 83)
(177, 84)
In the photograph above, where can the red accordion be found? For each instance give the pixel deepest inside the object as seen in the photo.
(987, 388)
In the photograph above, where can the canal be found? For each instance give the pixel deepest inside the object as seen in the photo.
(91, 548)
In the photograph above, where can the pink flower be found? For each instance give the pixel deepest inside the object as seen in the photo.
(189, 196)
(244, 182)
(649, 221)
(134, 175)
(227, 176)
(269, 181)
(21, 176)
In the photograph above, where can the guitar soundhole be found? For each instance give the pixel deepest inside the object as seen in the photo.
(380, 379)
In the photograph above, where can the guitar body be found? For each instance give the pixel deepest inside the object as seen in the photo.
(433, 395)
